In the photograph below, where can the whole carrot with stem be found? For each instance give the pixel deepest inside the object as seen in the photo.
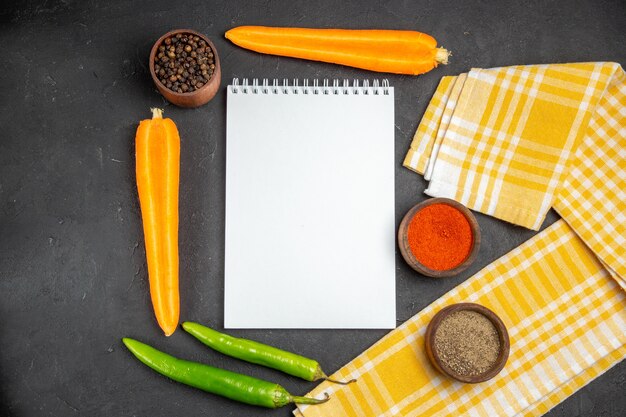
(395, 51)
(157, 149)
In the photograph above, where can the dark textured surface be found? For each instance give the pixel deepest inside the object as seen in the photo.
(74, 84)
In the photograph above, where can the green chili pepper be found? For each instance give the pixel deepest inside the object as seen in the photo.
(259, 353)
(218, 381)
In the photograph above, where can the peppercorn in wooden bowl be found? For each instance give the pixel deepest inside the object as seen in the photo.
(439, 237)
(467, 342)
(185, 68)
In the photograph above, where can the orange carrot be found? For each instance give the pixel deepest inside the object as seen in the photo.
(396, 51)
(157, 149)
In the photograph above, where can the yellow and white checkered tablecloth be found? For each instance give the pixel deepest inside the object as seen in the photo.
(513, 142)
(592, 198)
(566, 319)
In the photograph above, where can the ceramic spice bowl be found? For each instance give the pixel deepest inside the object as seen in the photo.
(467, 342)
(437, 237)
(193, 98)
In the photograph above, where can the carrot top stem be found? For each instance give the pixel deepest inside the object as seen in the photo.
(441, 55)
(157, 113)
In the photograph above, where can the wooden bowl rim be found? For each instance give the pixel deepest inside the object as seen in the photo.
(204, 38)
(503, 336)
(412, 260)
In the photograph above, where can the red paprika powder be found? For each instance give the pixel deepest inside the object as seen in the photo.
(440, 237)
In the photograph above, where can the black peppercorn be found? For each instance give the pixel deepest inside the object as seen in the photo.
(184, 63)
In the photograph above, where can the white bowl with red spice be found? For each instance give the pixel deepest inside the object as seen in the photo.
(467, 342)
(439, 237)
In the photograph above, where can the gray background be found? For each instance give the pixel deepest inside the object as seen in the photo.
(75, 83)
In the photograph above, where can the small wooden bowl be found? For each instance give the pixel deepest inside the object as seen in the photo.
(195, 98)
(503, 335)
(407, 254)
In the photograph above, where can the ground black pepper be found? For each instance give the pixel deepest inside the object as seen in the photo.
(467, 342)
(184, 63)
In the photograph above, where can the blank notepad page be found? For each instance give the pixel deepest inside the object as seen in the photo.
(310, 228)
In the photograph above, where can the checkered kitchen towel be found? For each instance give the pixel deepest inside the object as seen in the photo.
(511, 142)
(566, 319)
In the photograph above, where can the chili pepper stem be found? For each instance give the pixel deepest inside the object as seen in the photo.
(340, 382)
(319, 374)
(308, 400)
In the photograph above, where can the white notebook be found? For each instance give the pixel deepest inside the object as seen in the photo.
(310, 229)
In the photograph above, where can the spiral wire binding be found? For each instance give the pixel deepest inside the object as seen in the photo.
(337, 88)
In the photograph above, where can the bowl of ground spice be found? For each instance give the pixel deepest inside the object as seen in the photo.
(185, 68)
(439, 237)
(467, 342)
